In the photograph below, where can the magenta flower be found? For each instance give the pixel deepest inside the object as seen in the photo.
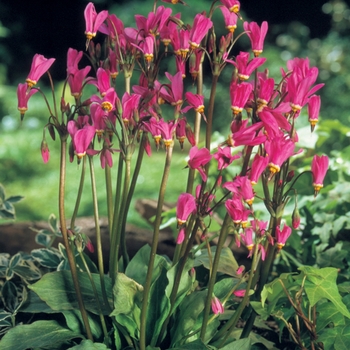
(76, 81)
(242, 187)
(186, 205)
(239, 94)
(216, 306)
(230, 19)
(40, 65)
(224, 157)
(243, 135)
(240, 293)
(130, 104)
(245, 66)
(195, 101)
(235, 208)
(167, 130)
(103, 82)
(23, 96)
(266, 90)
(180, 236)
(93, 21)
(256, 35)
(81, 137)
(313, 109)
(279, 150)
(199, 30)
(248, 239)
(319, 167)
(259, 164)
(183, 131)
(199, 158)
(73, 59)
(232, 5)
(282, 236)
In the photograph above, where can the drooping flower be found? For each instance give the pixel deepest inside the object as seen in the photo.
(259, 164)
(40, 65)
(235, 208)
(224, 157)
(230, 19)
(45, 152)
(240, 293)
(232, 5)
(186, 205)
(199, 158)
(282, 236)
(256, 35)
(246, 67)
(243, 187)
(93, 20)
(195, 101)
(23, 96)
(313, 109)
(216, 306)
(239, 94)
(199, 30)
(319, 167)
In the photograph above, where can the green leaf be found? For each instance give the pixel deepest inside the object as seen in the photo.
(14, 199)
(332, 257)
(320, 284)
(138, 266)
(227, 263)
(240, 344)
(75, 323)
(195, 345)
(89, 345)
(342, 341)
(39, 334)
(34, 304)
(50, 258)
(9, 296)
(328, 314)
(57, 290)
(2, 193)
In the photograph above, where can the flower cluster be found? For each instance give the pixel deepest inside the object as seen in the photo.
(261, 124)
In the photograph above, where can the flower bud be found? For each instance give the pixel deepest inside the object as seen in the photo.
(295, 218)
(290, 176)
(45, 152)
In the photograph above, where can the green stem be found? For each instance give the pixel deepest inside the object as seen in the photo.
(212, 280)
(102, 319)
(222, 335)
(64, 232)
(80, 192)
(98, 233)
(157, 222)
(209, 128)
(114, 236)
(109, 197)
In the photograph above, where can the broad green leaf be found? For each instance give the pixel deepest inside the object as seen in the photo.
(195, 345)
(34, 305)
(138, 266)
(57, 290)
(328, 314)
(75, 323)
(332, 257)
(344, 287)
(342, 341)
(227, 263)
(321, 284)
(50, 258)
(260, 310)
(185, 283)
(2, 193)
(87, 344)
(38, 335)
(158, 308)
(225, 286)
(14, 199)
(240, 344)
(190, 311)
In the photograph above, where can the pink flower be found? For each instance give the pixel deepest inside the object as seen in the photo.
(167, 130)
(279, 150)
(235, 209)
(93, 21)
(130, 104)
(313, 109)
(217, 306)
(239, 293)
(81, 137)
(319, 167)
(23, 96)
(40, 65)
(224, 157)
(76, 81)
(199, 158)
(195, 101)
(256, 35)
(282, 236)
(232, 5)
(259, 164)
(239, 96)
(186, 205)
(248, 239)
(180, 236)
(241, 186)
(266, 90)
(230, 18)
(73, 59)
(245, 66)
(199, 30)
(103, 82)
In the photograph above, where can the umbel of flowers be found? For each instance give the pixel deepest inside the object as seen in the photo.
(113, 125)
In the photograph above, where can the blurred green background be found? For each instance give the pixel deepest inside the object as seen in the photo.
(319, 30)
